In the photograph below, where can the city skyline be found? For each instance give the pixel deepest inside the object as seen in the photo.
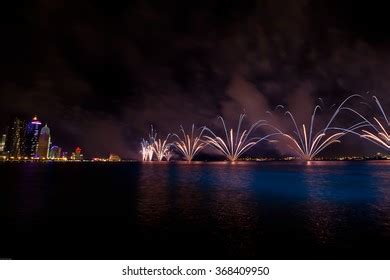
(28, 140)
(25, 139)
(103, 85)
(217, 129)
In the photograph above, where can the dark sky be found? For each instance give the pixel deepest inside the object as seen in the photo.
(100, 74)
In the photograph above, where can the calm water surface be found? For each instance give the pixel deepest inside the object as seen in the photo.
(202, 210)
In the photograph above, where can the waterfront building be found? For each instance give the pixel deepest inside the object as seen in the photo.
(32, 137)
(114, 157)
(15, 144)
(77, 155)
(44, 143)
(2, 143)
(55, 152)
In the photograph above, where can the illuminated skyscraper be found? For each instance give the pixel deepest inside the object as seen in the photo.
(16, 138)
(32, 137)
(55, 152)
(44, 142)
(77, 154)
(114, 157)
(2, 143)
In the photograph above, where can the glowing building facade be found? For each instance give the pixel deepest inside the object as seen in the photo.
(15, 144)
(2, 142)
(77, 155)
(114, 157)
(32, 137)
(44, 143)
(55, 152)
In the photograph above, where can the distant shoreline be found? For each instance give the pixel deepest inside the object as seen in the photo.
(194, 162)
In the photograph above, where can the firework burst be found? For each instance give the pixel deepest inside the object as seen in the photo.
(235, 143)
(146, 151)
(380, 136)
(147, 146)
(190, 144)
(161, 148)
(307, 144)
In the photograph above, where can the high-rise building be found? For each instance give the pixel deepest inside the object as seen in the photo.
(32, 137)
(44, 142)
(55, 152)
(76, 155)
(15, 143)
(114, 157)
(2, 142)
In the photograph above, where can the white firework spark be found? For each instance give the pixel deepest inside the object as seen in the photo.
(236, 142)
(380, 136)
(147, 146)
(190, 144)
(161, 148)
(307, 144)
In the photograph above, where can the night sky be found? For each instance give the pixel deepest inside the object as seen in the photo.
(100, 74)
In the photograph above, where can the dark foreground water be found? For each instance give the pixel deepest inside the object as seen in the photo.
(204, 210)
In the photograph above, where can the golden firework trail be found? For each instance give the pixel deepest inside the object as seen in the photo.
(380, 136)
(235, 143)
(161, 148)
(190, 144)
(307, 144)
